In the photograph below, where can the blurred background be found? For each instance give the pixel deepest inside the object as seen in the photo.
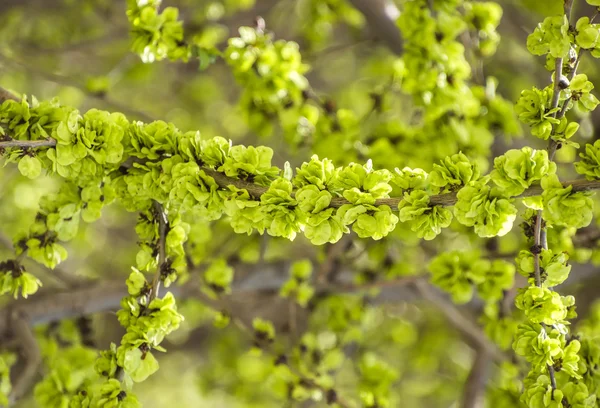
(78, 51)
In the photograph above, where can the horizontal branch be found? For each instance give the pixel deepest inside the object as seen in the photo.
(255, 190)
(106, 296)
(445, 200)
(27, 144)
(223, 181)
(55, 305)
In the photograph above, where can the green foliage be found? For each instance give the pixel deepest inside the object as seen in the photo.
(319, 19)
(453, 173)
(112, 395)
(425, 220)
(542, 394)
(587, 35)
(190, 190)
(484, 18)
(589, 165)
(272, 73)
(516, 170)
(461, 273)
(541, 305)
(219, 276)
(14, 280)
(554, 268)
(298, 286)
(563, 207)
(7, 360)
(534, 109)
(550, 37)
(156, 35)
(483, 208)
(410, 179)
(580, 89)
(72, 372)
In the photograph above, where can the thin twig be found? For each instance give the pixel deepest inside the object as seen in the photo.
(568, 5)
(563, 110)
(163, 225)
(553, 144)
(56, 304)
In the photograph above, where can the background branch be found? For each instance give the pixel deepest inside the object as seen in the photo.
(470, 330)
(31, 354)
(54, 304)
(381, 16)
(6, 95)
(473, 392)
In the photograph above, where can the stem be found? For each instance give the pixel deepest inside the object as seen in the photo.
(557, 74)
(553, 144)
(575, 66)
(163, 223)
(568, 5)
(537, 244)
(563, 110)
(539, 233)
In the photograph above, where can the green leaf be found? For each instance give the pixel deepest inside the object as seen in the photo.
(30, 167)
(139, 365)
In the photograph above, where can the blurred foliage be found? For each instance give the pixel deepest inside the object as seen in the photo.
(308, 77)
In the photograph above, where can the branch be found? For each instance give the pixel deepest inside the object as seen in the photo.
(6, 95)
(470, 330)
(163, 226)
(475, 383)
(256, 190)
(27, 144)
(381, 15)
(31, 354)
(54, 304)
